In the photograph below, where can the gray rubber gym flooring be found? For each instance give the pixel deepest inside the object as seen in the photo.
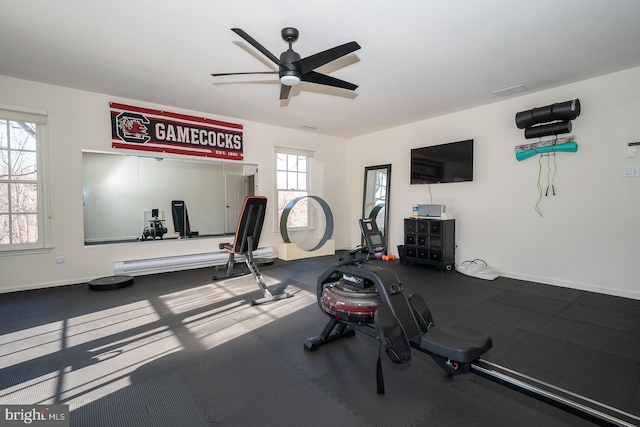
(177, 349)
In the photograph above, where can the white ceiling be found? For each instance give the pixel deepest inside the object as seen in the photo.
(419, 58)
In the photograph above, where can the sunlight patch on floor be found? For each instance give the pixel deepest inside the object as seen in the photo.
(27, 344)
(212, 293)
(116, 320)
(227, 321)
(110, 366)
(89, 356)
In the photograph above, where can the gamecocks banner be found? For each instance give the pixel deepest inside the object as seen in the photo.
(136, 128)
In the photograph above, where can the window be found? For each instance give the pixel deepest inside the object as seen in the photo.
(22, 212)
(380, 187)
(292, 180)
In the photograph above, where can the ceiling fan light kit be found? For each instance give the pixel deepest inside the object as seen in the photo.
(292, 69)
(289, 80)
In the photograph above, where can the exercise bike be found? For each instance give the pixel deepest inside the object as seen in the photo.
(368, 298)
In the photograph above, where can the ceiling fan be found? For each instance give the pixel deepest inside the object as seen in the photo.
(292, 69)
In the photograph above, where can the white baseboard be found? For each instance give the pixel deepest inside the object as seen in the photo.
(571, 285)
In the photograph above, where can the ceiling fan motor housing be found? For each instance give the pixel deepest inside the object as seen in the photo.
(289, 73)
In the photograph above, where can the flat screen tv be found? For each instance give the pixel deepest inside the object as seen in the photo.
(452, 162)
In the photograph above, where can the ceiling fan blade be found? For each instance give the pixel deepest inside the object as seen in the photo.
(323, 79)
(257, 45)
(237, 74)
(284, 92)
(312, 62)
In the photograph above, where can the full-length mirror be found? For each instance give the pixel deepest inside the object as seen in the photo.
(377, 183)
(130, 198)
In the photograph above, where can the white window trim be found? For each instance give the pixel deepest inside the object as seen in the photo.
(40, 118)
(294, 151)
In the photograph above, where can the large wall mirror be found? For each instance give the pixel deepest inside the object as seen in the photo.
(123, 194)
(377, 184)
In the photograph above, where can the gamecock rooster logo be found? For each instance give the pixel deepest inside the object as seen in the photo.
(132, 127)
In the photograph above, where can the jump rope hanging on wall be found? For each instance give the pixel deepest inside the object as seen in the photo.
(554, 119)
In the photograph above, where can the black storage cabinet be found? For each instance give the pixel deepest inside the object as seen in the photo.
(430, 241)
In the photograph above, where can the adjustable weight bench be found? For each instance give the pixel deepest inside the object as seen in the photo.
(246, 241)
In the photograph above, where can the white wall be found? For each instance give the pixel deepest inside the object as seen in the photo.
(587, 239)
(79, 121)
(589, 236)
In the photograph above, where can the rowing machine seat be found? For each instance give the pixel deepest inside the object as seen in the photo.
(455, 342)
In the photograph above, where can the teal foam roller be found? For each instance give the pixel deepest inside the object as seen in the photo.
(567, 147)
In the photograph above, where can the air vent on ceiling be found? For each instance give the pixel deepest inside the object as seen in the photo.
(510, 91)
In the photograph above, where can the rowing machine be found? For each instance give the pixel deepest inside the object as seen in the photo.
(349, 290)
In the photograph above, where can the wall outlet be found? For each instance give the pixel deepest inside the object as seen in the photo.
(59, 257)
(633, 170)
(632, 151)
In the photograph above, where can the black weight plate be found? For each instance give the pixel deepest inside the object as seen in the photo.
(110, 282)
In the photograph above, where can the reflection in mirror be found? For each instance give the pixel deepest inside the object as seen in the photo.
(377, 184)
(125, 195)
